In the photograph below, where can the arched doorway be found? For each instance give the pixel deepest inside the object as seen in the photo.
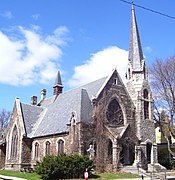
(127, 155)
(148, 152)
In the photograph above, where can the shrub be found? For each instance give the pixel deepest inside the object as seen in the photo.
(164, 157)
(63, 166)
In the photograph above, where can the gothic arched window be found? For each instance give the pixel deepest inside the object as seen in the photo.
(36, 150)
(60, 146)
(146, 103)
(47, 148)
(14, 144)
(114, 113)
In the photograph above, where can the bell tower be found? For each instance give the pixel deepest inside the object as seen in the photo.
(140, 92)
(137, 80)
(136, 70)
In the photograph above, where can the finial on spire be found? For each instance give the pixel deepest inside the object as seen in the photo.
(132, 5)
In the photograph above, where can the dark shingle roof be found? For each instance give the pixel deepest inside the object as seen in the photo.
(30, 116)
(57, 112)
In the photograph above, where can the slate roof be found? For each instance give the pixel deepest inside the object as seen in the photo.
(54, 113)
(30, 115)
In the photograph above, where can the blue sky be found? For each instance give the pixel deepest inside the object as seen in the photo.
(85, 40)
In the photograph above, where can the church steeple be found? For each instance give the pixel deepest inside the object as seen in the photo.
(57, 88)
(135, 48)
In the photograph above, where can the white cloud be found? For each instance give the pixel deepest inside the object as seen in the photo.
(100, 65)
(31, 58)
(7, 14)
(57, 35)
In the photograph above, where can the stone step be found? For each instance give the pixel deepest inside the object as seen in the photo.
(130, 169)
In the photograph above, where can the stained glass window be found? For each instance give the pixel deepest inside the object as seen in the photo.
(114, 113)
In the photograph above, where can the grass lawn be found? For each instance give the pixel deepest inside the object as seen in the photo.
(34, 176)
(25, 175)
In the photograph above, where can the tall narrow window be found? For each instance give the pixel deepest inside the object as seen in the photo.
(36, 150)
(60, 146)
(144, 71)
(109, 151)
(14, 144)
(129, 73)
(145, 94)
(47, 148)
(146, 104)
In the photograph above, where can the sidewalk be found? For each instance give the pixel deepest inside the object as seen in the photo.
(10, 178)
(148, 178)
(145, 178)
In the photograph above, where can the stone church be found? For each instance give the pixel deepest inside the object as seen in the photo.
(110, 122)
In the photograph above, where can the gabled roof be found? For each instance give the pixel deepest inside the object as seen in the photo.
(30, 116)
(54, 113)
(117, 132)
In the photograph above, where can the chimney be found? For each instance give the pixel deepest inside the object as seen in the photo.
(33, 100)
(43, 94)
(167, 119)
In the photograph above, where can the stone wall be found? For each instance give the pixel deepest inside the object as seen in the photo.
(16, 120)
(114, 89)
(26, 152)
(2, 155)
(70, 143)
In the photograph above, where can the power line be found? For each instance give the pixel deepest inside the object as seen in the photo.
(151, 10)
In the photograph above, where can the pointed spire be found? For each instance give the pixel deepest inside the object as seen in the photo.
(58, 85)
(135, 48)
(58, 80)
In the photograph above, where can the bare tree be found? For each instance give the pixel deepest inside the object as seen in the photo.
(4, 119)
(163, 85)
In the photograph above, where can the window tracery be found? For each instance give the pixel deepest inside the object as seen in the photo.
(114, 113)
